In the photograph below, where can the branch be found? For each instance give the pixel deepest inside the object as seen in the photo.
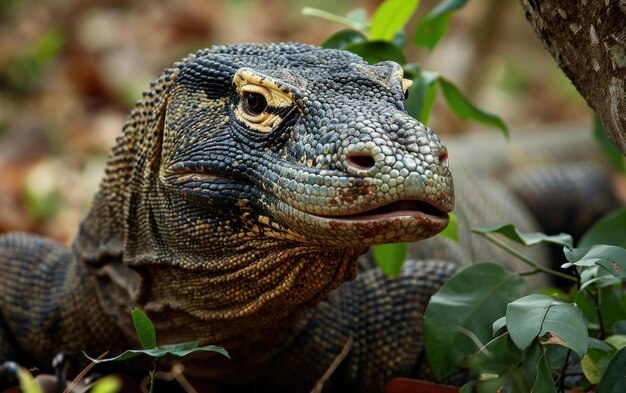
(587, 38)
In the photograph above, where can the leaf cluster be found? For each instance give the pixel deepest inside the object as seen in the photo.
(541, 342)
(384, 39)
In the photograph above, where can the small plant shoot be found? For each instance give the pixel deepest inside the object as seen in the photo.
(147, 338)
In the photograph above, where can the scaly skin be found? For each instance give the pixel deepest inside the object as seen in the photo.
(247, 182)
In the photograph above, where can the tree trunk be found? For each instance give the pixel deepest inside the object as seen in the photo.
(587, 38)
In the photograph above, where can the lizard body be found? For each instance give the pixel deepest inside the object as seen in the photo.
(245, 185)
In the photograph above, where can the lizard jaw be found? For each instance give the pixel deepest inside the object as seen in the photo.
(405, 207)
(400, 221)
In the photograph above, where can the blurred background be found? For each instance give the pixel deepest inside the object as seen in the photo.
(70, 71)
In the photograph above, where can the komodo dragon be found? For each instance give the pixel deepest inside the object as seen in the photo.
(245, 185)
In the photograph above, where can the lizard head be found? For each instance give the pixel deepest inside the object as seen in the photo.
(306, 144)
(247, 182)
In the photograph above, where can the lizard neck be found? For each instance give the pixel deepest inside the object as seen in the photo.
(239, 298)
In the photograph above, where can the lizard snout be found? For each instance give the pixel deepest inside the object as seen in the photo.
(369, 159)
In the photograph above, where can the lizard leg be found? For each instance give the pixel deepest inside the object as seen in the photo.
(48, 303)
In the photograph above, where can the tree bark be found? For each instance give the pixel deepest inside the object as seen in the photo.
(587, 38)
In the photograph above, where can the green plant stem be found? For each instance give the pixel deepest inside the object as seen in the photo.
(362, 27)
(596, 301)
(536, 266)
(152, 373)
(561, 379)
(528, 272)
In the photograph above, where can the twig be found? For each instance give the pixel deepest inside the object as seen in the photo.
(80, 375)
(523, 257)
(342, 355)
(562, 374)
(177, 371)
(596, 301)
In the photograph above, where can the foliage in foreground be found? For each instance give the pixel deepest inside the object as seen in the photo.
(147, 337)
(543, 342)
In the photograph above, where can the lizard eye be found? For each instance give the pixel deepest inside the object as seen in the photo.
(254, 104)
(262, 104)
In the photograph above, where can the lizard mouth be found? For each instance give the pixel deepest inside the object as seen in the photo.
(395, 209)
(405, 220)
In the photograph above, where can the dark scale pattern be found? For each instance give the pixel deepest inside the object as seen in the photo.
(226, 225)
(48, 304)
(384, 318)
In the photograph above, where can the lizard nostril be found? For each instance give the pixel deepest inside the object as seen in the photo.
(443, 159)
(361, 160)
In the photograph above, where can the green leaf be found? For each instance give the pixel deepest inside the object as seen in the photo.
(108, 384)
(613, 380)
(594, 364)
(603, 346)
(555, 293)
(390, 257)
(612, 153)
(178, 350)
(390, 17)
(39, 204)
(428, 34)
(527, 239)
(498, 324)
(491, 385)
(376, 51)
(610, 230)
(144, 328)
(616, 341)
(412, 70)
(452, 230)
(536, 315)
(611, 258)
(466, 110)
(25, 70)
(498, 356)
(434, 24)
(422, 95)
(352, 23)
(619, 327)
(342, 38)
(611, 308)
(556, 356)
(357, 15)
(530, 358)
(27, 382)
(471, 300)
(600, 281)
(544, 382)
(399, 39)
(468, 387)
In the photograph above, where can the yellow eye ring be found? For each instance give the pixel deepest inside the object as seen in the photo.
(260, 100)
(406, 84)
